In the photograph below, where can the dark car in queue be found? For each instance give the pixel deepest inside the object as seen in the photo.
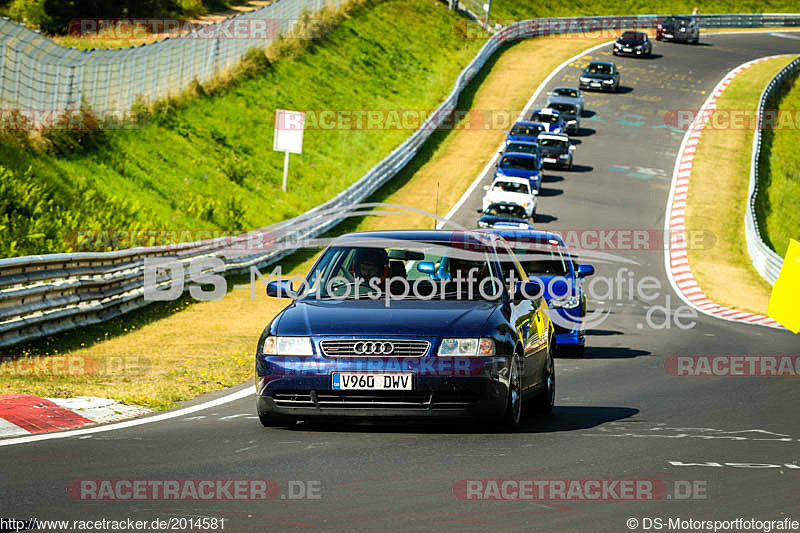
(678, 28)
(557, 151)
(600, 76)
(354, 342)
(501, 212)
(568, 111)
(520, 165)
(633, 43)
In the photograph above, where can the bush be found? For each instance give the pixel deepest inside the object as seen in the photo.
(30, 12)
(75, 133)
(236, 169)
(233, 214)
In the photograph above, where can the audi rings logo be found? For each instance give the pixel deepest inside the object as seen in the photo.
(373, 348)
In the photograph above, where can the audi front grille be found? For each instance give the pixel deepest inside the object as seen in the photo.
(374, 348)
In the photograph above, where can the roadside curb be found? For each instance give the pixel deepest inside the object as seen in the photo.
(25, 414)
(676, 258)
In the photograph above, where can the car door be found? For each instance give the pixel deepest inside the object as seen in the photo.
(523, 316)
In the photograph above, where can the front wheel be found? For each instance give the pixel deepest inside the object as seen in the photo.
(513, 416)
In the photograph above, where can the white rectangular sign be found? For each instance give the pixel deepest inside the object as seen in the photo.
(289, 127)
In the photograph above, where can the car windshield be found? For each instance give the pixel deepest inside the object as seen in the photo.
(545, 117)
(568, 109)
(505, 210)
(511, 186)
(519, 163)
(564, 91)
(680, 21)
(413, 270)
(599, 68)
(522, 148)
(538, 258)
(553, 143)
(524, 129)
(632, 36)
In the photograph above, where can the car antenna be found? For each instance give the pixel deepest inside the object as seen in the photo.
(436, 218)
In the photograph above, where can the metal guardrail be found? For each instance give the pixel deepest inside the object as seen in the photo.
(764, 259)
(42, 79)
(43, 295)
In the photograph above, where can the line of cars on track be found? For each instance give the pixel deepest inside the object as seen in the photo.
(477, 335)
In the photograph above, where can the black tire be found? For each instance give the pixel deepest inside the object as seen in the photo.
(269, 419)
(512, 418)
(546, 399)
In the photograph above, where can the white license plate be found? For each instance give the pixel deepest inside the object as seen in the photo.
(595, 84)
(363, 381)
(550, 160)
(626, 49)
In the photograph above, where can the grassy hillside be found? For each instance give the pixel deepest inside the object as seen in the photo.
(207, 162)
(505, 10)
(778, 201)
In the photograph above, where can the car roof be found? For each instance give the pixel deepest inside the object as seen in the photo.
(532, 143)
(555, 136)
(520, 154)
(527, 123)
(513, 179)
(409, 235)
(634, 32)
(567, 87)
(512, 234)
(609, 63)
(569, 100)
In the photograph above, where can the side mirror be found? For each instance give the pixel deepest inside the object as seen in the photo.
(571, 147)
(426, 267)
(280, 289)
(485, 187)
(585, 270)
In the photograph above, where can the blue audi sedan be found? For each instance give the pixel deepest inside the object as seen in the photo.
(377, 329)
(545, 258)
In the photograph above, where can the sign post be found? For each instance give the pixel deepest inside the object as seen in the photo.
(289, 126)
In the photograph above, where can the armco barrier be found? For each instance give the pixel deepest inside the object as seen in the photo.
(43, 295)
(764, 259)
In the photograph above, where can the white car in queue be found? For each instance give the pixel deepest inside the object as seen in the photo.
(511, 190)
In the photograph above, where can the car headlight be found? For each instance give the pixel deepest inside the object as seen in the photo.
(287, 346)
(565, 303)
(682, 29)
(467, 347)
(572, 122)
(482, 224)
(608, 81)
(564, 156)
(584, 79)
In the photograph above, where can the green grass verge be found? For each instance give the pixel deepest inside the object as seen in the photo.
(206, 162)
(778, 200)
(504, 11)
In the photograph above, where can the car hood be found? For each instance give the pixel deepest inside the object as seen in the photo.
(627, 42)
(493, 219)
(512, 197)
(596, 76)
(433, 318)
(518, 173)
(559, 287)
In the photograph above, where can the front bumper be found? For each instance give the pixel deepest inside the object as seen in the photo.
(632, 52)
(602, 87)
(442, 387)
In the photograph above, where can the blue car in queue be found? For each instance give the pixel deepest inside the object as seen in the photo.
(545, 257)
(550, 119)
(525, 131)
(520, 165)
(374, 332)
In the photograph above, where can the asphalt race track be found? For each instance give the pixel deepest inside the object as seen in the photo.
(619, 414)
